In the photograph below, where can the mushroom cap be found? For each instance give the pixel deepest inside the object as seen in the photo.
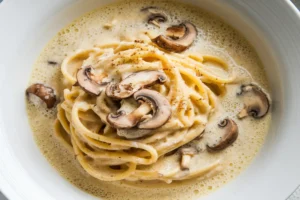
(173, 42)
(45, 93)
(256, 102)
(155, 15)
(149, 100)
(160, 105)
(134, 82)
(89, 82)
(228, 136)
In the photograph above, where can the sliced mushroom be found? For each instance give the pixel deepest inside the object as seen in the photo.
(122, 120)
(173, 41)
(228, 135)
(150, 101)
(256, 102)
(45, 93)
(161, 108)
(134, 82)
(89, 82)
(155, 15)
(186, 156)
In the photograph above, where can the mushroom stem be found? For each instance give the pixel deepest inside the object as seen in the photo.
(185, 161)
(121, 120)
(154, 22)
(242, 114)
(186, 156)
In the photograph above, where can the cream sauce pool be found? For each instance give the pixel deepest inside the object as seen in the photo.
(123, 21)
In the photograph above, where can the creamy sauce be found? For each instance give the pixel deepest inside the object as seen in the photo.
(124, 21)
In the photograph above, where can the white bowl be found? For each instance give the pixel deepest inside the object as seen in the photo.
(272, 26)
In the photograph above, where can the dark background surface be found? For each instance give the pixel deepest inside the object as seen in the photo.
(296, 2)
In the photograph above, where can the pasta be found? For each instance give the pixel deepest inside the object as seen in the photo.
(82, 117)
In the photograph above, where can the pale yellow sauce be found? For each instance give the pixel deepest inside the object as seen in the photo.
(214, 37)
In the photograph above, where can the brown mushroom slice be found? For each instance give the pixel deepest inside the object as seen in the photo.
(89, 82)
(178, 44)
(256, 102)
(134, 82)
(45, 93)
(150, 101)
(161, 108)
(229, 133)
(155, 15)
(186, 156)
(122, 120)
